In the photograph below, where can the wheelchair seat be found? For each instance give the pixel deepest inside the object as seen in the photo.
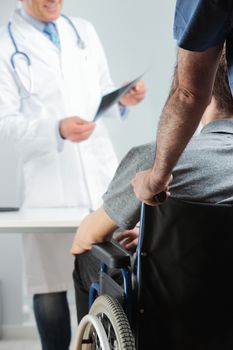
(183, 298)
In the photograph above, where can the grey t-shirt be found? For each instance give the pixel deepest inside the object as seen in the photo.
(204, 173)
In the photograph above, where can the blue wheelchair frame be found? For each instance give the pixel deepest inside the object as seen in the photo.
(126, 272)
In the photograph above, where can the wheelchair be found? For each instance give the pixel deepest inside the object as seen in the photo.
(179, 293)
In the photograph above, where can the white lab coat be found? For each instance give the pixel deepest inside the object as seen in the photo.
(67, 82)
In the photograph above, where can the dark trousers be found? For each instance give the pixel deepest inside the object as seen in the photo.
(53, 320)
(86, 268)
(86, 271)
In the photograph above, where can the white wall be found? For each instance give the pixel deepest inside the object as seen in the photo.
(137, 36)
(6, 9)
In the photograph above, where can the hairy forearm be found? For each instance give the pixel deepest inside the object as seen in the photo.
(95, 228)
(190, 94)
(180, 118)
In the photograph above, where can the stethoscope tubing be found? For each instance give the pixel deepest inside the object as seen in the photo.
(26, 92)
(81, 44)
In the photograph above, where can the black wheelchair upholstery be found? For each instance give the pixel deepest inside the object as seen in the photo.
(184, 296)
(185, 291)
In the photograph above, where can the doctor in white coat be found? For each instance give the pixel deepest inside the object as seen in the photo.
(53, 72)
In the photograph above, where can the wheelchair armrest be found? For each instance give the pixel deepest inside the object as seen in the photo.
(112, 254)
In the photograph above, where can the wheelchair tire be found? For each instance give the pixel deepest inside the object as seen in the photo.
(114, 320)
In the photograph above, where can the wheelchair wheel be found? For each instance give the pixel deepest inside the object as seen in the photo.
(114, 321)
(91, 335)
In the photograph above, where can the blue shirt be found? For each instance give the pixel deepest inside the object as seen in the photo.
(34, 22)
(202, 24)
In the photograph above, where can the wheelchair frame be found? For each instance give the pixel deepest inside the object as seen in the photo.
(111, 255)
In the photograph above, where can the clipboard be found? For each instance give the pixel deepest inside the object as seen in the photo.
(113, 97)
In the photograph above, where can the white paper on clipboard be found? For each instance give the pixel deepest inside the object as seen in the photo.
(113, 97)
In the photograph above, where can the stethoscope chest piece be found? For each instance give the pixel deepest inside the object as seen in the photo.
(81, 44)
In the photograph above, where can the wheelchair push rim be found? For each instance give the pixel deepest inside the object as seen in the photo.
(91, 335)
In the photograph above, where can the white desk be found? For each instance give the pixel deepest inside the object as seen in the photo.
(49, 220)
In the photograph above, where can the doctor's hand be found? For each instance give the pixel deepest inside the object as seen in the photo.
(76, 129)
(135, 95)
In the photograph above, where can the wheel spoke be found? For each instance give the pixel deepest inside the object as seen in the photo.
(109, 331)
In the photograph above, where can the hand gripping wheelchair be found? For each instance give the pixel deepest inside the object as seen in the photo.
(179, 293)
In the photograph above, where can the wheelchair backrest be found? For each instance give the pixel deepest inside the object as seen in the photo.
(185, 292)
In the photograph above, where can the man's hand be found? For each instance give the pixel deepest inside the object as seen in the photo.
(76, 129)
(135, 95)
(146, 186)
(129, 239)
(79, 245)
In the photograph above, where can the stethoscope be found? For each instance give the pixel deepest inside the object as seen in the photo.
(24, 91)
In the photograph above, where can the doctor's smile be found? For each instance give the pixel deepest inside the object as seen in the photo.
(43, 10)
